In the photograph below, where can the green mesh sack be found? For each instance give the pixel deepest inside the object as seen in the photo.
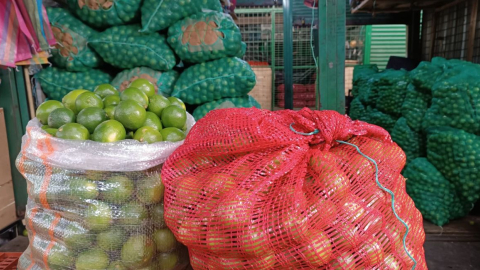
(243, 51)
(71, 51)
(415, 107)
(125, 47)
(433, 195)
(361, 75)
(357, 110)
(205, 36)
(381, 119)
(426, 74)
(224, 103)
(391, 97)
(366, 92)
(456, 154)
(163, 81)
(226, 77)
(454, 103)
(412, 143)
(104, 13)
(161, 14)
(56, 83)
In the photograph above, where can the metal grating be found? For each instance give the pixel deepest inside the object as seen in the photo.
(476, 44)
(452, 32)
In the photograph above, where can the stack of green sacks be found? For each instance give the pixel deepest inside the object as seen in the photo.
(439, 131)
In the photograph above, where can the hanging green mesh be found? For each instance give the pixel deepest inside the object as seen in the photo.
(415, 106)
(379, 118)
(71, 51)
(56, 83)
(103, 13)
(238, 102)
(226, 77)
(410, 141)
(161, 14)
(433, 195)
(125, 47)
(361, 76)
(205, 36)
(391, 86)
(456, 153)
(455, 102)
(357, 110)
(427, 73)
(163, 81)
(243, 51)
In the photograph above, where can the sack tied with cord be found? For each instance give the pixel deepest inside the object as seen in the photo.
(255, 189)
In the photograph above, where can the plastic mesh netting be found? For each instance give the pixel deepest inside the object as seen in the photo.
(247, 191)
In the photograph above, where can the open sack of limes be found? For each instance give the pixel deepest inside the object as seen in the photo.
(95, 194)
(255, 189)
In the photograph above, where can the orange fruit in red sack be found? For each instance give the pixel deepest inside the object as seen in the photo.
(253, 242)
(371, 252)
(218, 185)
(221, 243)
(345, 236)
(346, 261)
(322, 212)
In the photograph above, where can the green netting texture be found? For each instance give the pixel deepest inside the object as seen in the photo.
(455, 102)
(415, 106)
(71, 51)
(163, 81)
(239, 102)
(456, 154)
(379, 118)
(161, 14)
(243, 51)
(426, 74)
(411, 142)
(357, 110)
(205, 36)
(104, 13)
(226, 77)
(361, 77)
(56, 83)
(125, 47)
(433, 195)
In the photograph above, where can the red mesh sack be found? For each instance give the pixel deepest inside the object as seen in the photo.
(255, 189)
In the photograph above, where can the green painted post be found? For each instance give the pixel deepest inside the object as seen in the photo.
(13, 101)
(288, 52)
(332, 55)
(368, 45)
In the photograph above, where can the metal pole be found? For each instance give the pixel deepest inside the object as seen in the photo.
(288, 52)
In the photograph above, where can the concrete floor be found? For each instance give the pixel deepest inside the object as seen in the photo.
(456, 246)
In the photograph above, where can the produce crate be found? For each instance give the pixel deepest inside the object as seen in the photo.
(9, 260)
(263, 89)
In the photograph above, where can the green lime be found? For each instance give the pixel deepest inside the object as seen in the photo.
(88, 99)
(109, 131)
(44, 110)
(111, 240)
(172, 134)
(94, 259)
(148, 134)
(150, 190)
(177, 101)
(130, 114)
(60, 117)
(49, 130)
(157, 215)
(82, 189)
(111, 101)
(174, 116)
(76, 237)
(157, 104)
(137, 251)
(132, 214)
(60, 257)
(73, 131)
(105, 90)
(153, 121)
(98, 216)
(136, 95)
(110, 111)
(69, 99)
(166, 261)
(164, 240)
(117, 189)
(117, 265)
(145, 85)
(91, 118)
